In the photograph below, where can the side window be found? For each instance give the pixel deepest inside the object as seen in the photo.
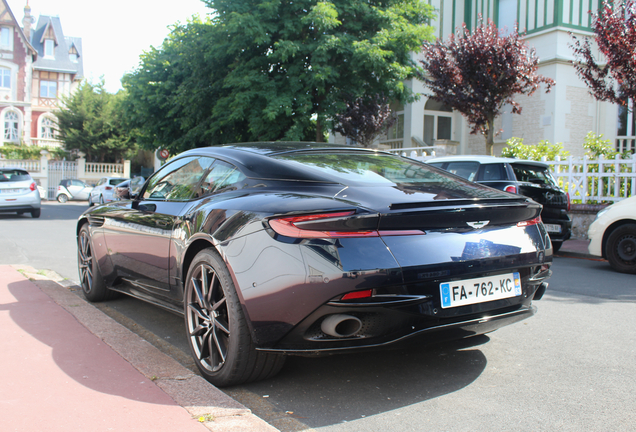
(467, 170)
(222, 177)
(493, 172)
(101, 182)
(178, 180)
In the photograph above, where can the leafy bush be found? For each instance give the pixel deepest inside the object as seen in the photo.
(515, 148)
(22, 152)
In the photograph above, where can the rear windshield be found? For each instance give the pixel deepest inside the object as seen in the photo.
(382, 170)
(13, 175)
(534, 174)
(115, 182)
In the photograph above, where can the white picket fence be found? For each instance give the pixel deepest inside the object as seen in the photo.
(586, 180)
(600, 180)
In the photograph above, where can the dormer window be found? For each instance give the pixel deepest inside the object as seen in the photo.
(49, 48)
(72, 54)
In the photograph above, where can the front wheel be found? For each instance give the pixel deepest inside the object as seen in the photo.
(621, 249)
(217, 330)
(93, 285)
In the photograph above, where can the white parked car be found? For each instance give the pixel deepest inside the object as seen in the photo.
(103, 190)
(73, 189)
(19, 192)
(613, 235)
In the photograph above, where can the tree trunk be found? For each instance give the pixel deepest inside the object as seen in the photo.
(490, 135)
(319, 135)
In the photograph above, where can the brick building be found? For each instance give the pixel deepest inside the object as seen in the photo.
(38, 66)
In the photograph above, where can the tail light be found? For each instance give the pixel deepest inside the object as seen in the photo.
(332, 225)
(568, 196)
(529, 222)
(33, 187)
(108, 188)
(511, 189)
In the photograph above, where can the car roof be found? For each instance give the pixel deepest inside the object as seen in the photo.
(257, 159)
(486, 160)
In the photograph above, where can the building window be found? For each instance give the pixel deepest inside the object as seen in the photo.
(49, 48)
(11, 126)
(397, 130)
(438, 122)
(5, 78)
(47, 128)
(6, 38)
(73, 57)
(507, 15)
(48, 89)
(626, 123)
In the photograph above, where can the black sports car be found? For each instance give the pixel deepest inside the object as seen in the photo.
(270, 249)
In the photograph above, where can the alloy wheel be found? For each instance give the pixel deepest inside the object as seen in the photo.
(85, 259)
(207, 318)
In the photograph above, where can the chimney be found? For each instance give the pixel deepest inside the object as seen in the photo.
(27, 21)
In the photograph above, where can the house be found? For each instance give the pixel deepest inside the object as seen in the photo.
(38, 66)
(565, 115)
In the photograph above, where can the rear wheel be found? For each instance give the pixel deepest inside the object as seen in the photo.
(93, 285)
(217, 330)
(62, 198)
(621, 248)
(101, 199)
(90, 201)
(36, 213)
(556, 245)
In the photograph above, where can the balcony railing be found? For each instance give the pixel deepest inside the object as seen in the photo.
(626, 144)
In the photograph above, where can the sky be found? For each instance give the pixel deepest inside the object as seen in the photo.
(114, 32)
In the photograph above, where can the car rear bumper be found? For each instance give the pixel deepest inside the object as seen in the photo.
(26, 203)
(431, 334)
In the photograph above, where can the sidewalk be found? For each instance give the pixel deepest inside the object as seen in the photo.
(576, 248)
(68, 367)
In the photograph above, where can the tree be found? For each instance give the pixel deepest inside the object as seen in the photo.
(273, 69)
(92, 121)
(478, 73)
(615, 29)
(364, 119)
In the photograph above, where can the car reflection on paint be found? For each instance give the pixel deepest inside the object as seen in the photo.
(274, 249)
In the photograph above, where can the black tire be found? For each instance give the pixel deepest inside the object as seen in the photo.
(621, 249)
(93, 285)
(36, 213)
(216, 329)
(90, 202)
(62, 198)
(556, 245)
(101, 199)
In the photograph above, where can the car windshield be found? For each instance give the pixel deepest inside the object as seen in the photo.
(115, 182)
(373, 169)
(534, 174)
(12, 175)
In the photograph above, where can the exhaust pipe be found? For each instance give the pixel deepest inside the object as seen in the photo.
(540, 291)
(340, 325)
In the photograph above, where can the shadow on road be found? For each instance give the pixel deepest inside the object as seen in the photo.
(52, 210)
(342, 388)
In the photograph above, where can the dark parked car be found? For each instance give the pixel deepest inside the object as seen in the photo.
(270, 249)
(529, 178)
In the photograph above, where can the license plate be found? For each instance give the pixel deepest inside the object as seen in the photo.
(480, 290)
(10, 191)
(552, 228)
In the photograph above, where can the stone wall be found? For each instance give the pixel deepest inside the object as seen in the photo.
(582, 216)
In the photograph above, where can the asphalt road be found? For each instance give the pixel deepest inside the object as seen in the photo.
(571, 367)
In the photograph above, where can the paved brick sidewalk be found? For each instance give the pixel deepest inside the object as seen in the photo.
(68, 367)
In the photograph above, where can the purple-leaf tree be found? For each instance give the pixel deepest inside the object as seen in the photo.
(364, 119)
(479, 73)
(615, 28)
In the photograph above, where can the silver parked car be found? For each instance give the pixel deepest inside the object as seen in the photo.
(19, 192)
(103, 190)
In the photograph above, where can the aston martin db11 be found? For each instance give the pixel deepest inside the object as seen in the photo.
(272, 249)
